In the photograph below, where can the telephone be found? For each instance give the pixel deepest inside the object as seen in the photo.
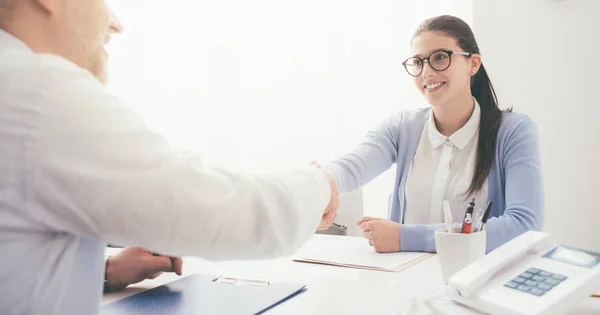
(530, 274)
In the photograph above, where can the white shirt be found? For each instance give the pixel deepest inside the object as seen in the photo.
(78, 169)
(442, 169)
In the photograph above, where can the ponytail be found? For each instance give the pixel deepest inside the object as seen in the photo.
(489, 124)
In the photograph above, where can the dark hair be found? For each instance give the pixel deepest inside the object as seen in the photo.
(481, 89)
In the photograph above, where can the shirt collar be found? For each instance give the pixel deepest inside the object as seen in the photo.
(10, 42)
(461, 137)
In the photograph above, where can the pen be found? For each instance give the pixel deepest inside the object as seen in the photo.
(471, 207)
(448, 216)
(469, 210)
(477, 219)
(486, 216)
(338, 225)
(468, 224)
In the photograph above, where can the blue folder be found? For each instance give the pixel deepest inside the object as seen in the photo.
(205, 294)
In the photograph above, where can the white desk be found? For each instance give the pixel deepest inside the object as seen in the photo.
(331, 290)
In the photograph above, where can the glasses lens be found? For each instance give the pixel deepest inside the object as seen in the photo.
(413, 66)
(440, 60)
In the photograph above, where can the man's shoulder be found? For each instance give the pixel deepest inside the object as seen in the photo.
(36, 72)
(47, 81)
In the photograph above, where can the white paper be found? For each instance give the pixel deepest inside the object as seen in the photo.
(346, 250)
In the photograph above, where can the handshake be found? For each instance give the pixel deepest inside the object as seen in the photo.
(330, 212)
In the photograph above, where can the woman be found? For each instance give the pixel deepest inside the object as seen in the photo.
(462, 147)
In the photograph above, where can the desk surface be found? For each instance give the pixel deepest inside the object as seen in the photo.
(331, 290)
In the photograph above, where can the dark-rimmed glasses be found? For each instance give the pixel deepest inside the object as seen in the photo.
(439, 60)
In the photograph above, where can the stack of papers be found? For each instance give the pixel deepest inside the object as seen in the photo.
(354, 252)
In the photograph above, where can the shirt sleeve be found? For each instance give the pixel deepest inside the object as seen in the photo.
(374, 155)
(94, 169)
(523, 194)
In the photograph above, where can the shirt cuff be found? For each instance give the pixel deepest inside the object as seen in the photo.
(106, 288)
(419, 237)
(324, 196)
(335, 170)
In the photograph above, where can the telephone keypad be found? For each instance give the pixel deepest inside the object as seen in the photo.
(535, 281)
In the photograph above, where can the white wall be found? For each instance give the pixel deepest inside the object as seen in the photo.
(544, 59)
(309, 76)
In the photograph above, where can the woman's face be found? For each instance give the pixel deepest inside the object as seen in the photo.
(441, 87)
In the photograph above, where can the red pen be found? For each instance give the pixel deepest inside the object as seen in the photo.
(467, 227)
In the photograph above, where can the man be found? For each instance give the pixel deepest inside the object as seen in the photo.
(78, 169)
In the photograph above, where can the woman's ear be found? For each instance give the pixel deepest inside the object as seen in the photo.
(475, 63)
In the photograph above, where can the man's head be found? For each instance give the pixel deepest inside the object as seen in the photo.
(76, 30)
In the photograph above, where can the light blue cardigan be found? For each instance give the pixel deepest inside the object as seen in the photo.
(514, 182)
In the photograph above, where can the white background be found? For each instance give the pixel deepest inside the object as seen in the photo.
(543, 57)
(268, 85)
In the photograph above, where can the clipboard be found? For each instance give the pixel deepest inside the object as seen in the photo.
(206, 294)
(597, 294)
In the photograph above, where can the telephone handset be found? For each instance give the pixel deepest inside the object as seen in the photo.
(530, 274)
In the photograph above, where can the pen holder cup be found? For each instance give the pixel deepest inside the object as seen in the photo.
(457, 250)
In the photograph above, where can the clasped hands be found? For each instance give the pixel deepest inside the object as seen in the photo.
(383, 235)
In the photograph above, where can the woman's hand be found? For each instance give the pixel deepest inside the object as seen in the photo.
(383, 235)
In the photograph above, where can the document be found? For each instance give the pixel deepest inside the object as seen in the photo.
(354, 252)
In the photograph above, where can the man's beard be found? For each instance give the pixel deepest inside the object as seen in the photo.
(98, 69)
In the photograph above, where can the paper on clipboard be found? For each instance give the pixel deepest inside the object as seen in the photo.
(354, 252)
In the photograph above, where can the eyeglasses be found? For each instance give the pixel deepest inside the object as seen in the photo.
(439, 60)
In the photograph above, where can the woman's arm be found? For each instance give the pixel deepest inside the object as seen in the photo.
(374, 155)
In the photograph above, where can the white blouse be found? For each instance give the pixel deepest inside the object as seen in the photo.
(442, 169)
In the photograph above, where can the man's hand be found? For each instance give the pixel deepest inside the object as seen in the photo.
(330, 213)
(134, 264)
(383, 235)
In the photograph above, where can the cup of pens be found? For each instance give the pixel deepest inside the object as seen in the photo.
(458, 245)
